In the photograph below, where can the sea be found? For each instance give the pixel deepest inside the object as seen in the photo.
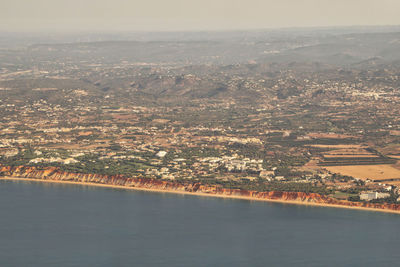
(45, 224)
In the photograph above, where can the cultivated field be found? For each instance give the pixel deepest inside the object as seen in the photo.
(338, 146)
(373, 172)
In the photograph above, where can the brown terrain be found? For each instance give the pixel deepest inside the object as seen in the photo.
(372, 172)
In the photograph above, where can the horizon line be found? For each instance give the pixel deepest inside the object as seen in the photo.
(110, 31)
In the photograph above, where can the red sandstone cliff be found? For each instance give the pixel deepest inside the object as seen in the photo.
(54, 174)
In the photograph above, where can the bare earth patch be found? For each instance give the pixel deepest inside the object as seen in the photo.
(373, 172)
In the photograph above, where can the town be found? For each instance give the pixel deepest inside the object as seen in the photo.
(300, 127)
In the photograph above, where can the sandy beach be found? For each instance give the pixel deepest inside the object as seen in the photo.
(202, 194)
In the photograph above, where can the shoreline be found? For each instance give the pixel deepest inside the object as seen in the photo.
(201, 194)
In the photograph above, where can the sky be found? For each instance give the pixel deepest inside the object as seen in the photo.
(186, 15)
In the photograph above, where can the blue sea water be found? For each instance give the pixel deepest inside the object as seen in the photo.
(43, 224)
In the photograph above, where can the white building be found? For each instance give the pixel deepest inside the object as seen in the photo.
(373, 195)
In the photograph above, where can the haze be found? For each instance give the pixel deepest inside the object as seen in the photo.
(161, 15)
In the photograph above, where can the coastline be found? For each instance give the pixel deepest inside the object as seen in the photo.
(201, 194)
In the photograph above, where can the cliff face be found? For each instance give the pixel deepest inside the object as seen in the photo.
(54, 174)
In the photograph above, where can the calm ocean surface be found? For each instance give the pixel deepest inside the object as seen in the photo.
(70, 225)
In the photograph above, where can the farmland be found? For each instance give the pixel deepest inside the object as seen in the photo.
(372, 172)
